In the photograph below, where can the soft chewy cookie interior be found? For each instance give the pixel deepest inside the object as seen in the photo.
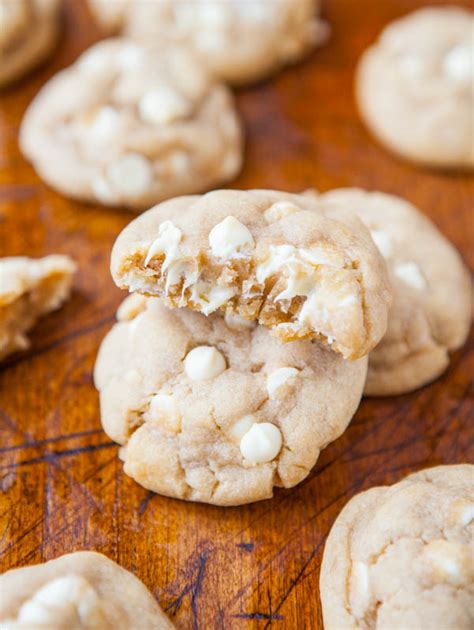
(287, 261)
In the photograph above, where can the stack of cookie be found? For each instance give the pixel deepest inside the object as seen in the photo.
(242, 349)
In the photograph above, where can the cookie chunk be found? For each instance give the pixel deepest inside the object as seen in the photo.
(402, 556)
(239, 41)
(131, 124)
(215, 409)
(30, 288)
(28, 32)
(431, 310)
(415, 87)
(301, 268)
(78, 590)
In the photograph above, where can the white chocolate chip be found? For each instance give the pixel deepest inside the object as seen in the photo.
(410, 274)
(261, 443)
(204, 362)
(103, 191)
(279, 210)
(229, 237)
(95, 62)
(301, 269)
(318, 255)
(451, 561)
(299, 266)
(106, 123)
(131, 174)
(208, 297)
(163, 105)
(465, 514)
(458, 63)
(241, 427)
(167, 243)
(277, 378)
(359, 589)
(164, 411)
(236, 322)
(383, 242)
(35, 613)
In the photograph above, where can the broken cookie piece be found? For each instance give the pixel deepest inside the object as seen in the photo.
(290, 262)
(30, 288)
(218, 414)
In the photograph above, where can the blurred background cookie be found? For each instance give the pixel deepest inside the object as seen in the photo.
(129, 124)
(239, 41)
(415, 87)
(431, 310)
(28, 32)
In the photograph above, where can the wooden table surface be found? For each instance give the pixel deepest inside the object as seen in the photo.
(61, 484)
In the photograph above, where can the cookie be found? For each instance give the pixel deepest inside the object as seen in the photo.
(78, 590)
(402, 556)
(303, 269)
(239, 41)
(215, 409)
(28, 32)
(131, 124)
(431, 310)
(30, 288)
(415, 87)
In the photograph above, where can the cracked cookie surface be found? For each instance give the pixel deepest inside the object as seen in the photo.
(82, 590)
(402, 556)
(431, 310)
(296, 264)
(239, 41)
(415, 87)
(30, 288)
(130, 124)
(28, 32)
(216, 409)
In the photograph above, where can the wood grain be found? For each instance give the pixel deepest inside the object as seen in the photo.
(62, 486)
